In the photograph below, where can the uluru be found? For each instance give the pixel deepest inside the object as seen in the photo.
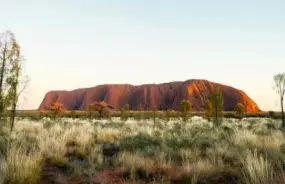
(162, 96)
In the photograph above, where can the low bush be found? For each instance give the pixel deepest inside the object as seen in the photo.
(139, 142)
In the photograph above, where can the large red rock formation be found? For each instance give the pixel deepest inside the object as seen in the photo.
(163, 96)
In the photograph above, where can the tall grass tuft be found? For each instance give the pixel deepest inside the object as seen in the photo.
(256, 169)
(22, 167)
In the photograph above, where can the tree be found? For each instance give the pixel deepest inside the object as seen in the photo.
(125, 112)
(91, 109)
(169, 114)
(217, 102)
(279, 86)
(185, 107)
(57, 108)
(240, 109)
(10, 75)
(101, 107)
(154, 111)
(8, 52)
(14, 81)
(127, 107)
(140, 107)
(208, 110)
(139, 114)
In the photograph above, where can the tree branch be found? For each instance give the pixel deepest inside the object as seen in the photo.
(24, 87)
(283, 88)
(7, 58)
(280, 88)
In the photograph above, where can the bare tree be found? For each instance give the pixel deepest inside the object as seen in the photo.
(279, 86)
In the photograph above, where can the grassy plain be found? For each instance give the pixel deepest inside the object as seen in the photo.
(248, 150)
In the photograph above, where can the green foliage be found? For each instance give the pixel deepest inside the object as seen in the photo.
(170, 114)
(232, 115)
(139, 142)
(274, 115)
(183, 142)
(282, 148)
(240, 109)
(113, 125)
(90, 111)
(139, 114)
(154, 115)
(3, 146)
(185, 107)
(208, 110)
(10, 74)
(124, 113)
(217, 102)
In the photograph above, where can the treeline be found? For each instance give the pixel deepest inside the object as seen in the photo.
(139, 115)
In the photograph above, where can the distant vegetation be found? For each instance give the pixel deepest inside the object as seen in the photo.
(144, 114)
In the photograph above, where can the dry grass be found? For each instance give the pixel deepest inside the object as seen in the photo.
(257, 170)
(3, 170)
(201, 148)
(23, 168)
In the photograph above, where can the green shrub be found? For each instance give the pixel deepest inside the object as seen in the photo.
(124, 112)
(282, 148)
(113, 125)
(139, 142)
(273, 115)
(3, 146)
(178, 143)
(232, 115)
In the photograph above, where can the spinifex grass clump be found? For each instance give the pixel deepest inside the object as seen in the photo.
(139, 142)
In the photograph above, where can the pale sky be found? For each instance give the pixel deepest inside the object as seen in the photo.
(83, 43)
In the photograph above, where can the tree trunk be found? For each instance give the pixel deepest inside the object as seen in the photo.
(1, 83)
(14, 104)
(282, 113)
(15, 98)
(216, 110)
(13, 116)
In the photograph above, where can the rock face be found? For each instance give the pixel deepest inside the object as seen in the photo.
(163, 96)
